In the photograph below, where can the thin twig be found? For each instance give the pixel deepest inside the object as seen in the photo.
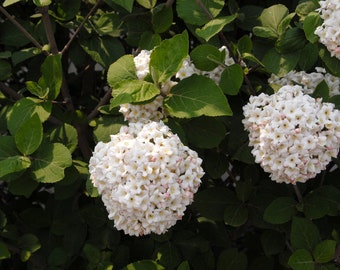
(227, 44)
(93, 9)
(48, 29)
(10, 92)
(105, 99)
(20, 28)
(169, 3)
(298, 193)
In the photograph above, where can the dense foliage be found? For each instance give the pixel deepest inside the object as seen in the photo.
(72, 73)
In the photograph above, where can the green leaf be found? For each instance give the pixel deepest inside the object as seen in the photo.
(291, 40)
(332, 63)
(231, 259)
(37, 90)
(280, 64)
(308, 56)
(272, 242)
(310, 23)
(29, 135)
(196, 96)
(324, 251)
(109, 24)
(206, 57)
(232, 79)
(103, 50)
(162, 18)
(265, 32)
(280, 211)
(49, 163)
(271, 17)
(10, 35)
(245, 44)
(168, 255)
(321, 91)
(106, 126)
(214, 26)
(184, 266)
(13, 164)
(301, 259)
(67, 135)
(133, 91)
(236, 214)
(123, 69)
(57, 256)
(42, 3)
(7, 3)
(5, 70)
(192, 13)
(149, 40)
(4, 252)
(205, 132)
(149, 4)
(22, 186)
(303, 9)
(284, 24)
(167, 58)
(243, 153)
(24, 109)
(29, 242)
(144, 265)
(212, 202)
(7, 147)
(215, 164)
(126, 4)
(51, 77)
(304, 234)
(92, 253)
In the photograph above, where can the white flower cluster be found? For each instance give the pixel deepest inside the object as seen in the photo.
(146, 177)
(308, 81)
(329, 31)
(188, 68)
(293, 135)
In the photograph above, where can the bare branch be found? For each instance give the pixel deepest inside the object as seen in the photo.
(94, 8)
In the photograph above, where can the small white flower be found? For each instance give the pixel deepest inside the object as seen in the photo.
(293, 136)
(143, 186)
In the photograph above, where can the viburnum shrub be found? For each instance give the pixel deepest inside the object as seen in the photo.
(163, 134)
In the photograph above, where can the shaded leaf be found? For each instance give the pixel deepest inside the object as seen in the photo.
(324, 251)
(231, 259)
(50, 162)
(280, 211)
(103, 50)
(236, 214)
(192, 13)
(211, 203)
(304, 234)
(29, 135)
(144, 265)
(232, 79)
(301, 259)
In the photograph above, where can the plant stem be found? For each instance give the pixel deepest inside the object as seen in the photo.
(169, 3)
(93, 9)
(9, 91)
(298, 193)
(227, 44)
(20, 28)
(105, 99)
(48, 29)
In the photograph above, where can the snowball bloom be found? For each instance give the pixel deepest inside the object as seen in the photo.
(329, 31)
(293, 135)
(146, 177)
(308, 81)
